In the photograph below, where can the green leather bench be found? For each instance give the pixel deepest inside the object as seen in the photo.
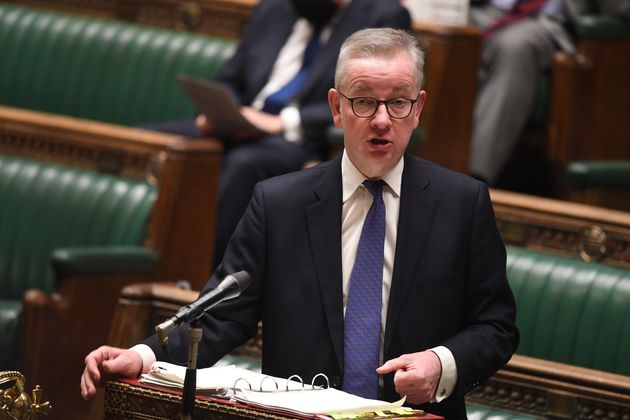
(573, 316)
(87, 208)
(106, 70)
(100, 69)
(571, 311)
(50, 211)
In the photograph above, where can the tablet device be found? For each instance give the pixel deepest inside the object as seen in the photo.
(219, 104)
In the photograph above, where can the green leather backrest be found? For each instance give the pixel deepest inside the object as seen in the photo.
(100, 69)
(45, 206)
(570, 311)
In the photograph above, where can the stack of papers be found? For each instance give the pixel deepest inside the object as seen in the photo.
(280, 395)
(310, 402)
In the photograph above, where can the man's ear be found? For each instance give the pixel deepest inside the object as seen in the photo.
(335, 107)
(422, 97)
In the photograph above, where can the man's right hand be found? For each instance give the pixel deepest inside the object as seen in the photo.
(106, 363)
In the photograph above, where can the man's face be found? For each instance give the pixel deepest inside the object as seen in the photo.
(375, 144)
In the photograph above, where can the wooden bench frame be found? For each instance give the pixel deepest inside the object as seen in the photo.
(76, 317)
(555, 390)
(562, 228)
(186, 173)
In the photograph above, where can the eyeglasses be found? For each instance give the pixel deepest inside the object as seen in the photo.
(366, 106)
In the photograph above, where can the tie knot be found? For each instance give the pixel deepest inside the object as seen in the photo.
(375, 187)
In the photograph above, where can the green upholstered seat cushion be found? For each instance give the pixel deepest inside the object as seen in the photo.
(600, 174)
(103, 260)
(570, 311)
(240, 361)
(10, 311)
(45, 207)
(100, 69)
(480, 412)
(599, 27)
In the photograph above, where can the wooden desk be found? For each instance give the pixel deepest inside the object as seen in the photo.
(129, 399)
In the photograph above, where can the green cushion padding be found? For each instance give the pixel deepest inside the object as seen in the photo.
(240, 361)
(103, 260)
(10, 311)
(600, 27)
(100, 69)
(45, 207)
(570, 311)
(480, 412)
(600, 174)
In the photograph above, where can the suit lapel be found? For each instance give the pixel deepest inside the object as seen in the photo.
(265, 53)
(324, 227)
(417, 209)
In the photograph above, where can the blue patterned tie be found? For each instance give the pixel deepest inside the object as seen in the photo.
(362, 334)
(279, 99)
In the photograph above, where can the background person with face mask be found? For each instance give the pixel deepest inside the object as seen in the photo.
(284, 39)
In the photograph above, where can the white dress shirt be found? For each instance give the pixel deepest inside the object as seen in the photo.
(285, 68)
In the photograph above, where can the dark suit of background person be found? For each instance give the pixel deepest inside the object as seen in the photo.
(247, 72)
(512, 59)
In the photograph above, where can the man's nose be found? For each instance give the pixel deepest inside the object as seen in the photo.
(381, 118)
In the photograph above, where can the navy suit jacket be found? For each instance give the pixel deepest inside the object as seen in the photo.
(270, 26)
(448, 287)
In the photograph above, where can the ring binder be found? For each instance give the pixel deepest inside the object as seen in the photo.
(317, 376)
(295, 376)
(313, 387)
(260, 385)
(227, 382)
(241, 379)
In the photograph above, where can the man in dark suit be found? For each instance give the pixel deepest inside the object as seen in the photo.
(267, 58)
(445, 312)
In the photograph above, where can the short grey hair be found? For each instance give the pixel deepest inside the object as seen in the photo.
(381, 43)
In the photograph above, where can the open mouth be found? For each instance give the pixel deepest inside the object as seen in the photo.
(379, 141)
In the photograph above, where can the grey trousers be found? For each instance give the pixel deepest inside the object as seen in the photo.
(512, 60)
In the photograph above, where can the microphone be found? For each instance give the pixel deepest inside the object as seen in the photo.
(229, 288)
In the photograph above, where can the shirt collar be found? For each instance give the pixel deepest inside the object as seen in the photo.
(352, 177)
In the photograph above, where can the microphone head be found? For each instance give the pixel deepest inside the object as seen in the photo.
(243, 279)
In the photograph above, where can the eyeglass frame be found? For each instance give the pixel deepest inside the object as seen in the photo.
(378, 104)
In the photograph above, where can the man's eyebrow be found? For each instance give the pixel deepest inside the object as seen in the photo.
(361, 89)
(365, 90)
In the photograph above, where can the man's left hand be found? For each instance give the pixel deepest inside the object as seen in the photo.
(417, 375)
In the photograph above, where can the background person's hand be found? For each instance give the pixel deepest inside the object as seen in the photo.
(269, 123)
(204, 126)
